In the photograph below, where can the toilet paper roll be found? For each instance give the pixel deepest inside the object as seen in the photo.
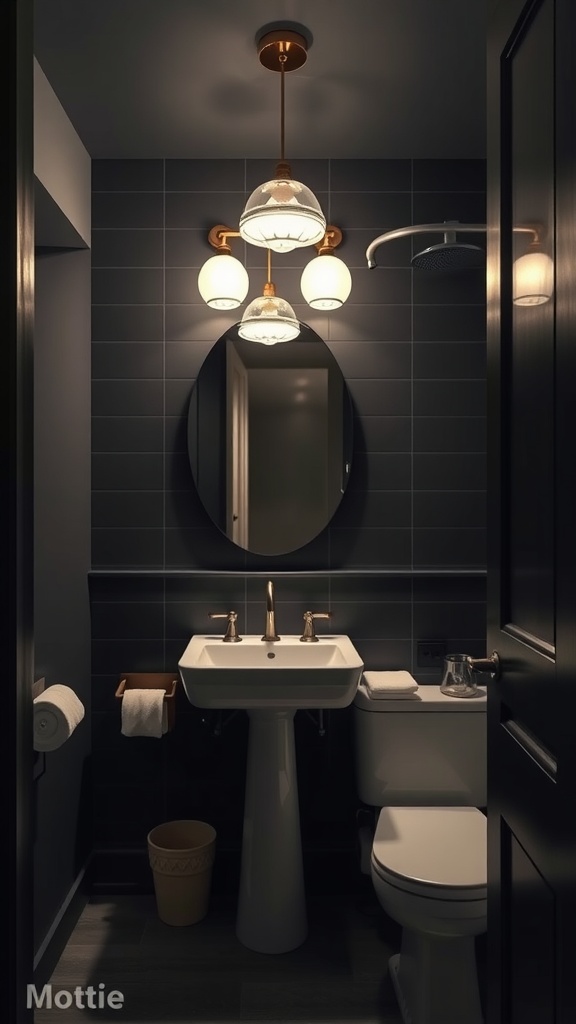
(57, 712)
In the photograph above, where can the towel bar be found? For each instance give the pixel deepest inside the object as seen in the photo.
(152, 681)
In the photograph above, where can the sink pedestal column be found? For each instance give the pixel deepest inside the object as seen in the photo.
(272, 905)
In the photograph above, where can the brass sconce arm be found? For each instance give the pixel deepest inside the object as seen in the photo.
(218, 238)
(332, 239)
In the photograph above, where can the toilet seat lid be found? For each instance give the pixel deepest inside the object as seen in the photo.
(438, 846)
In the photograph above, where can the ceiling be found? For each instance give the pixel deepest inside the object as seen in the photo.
(181, 78)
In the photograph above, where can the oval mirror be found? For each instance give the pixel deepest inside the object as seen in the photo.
(270, 440)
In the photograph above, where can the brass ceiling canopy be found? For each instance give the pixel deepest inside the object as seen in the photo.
(282, 50)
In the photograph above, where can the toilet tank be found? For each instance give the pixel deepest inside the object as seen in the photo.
(426, 752)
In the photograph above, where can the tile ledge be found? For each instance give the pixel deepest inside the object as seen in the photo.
(433, 573)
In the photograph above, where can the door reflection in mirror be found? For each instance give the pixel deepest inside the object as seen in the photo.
(270, 440)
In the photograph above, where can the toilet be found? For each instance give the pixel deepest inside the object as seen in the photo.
(422, 762)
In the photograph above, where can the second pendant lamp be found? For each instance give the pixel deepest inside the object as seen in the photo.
(282, 214)
(269, 319)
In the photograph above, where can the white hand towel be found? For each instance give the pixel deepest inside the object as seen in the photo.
(395, 685)
(56, 713)
(143, 712)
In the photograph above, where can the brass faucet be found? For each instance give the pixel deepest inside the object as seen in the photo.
(270, 630)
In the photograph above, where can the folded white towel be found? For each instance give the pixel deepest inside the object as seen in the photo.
(144, 712)
(57, 711)
(397, 684)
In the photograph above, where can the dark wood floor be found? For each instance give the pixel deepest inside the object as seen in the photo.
(202, 973)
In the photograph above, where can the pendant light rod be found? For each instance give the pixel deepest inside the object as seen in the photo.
(282, 59)
(269, 287)
(282, 50)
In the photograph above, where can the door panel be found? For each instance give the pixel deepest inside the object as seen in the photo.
(532, 517)
(528, 573)
(531, 912)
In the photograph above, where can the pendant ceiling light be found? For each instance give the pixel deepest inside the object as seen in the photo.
(282, 214)
(269, 319)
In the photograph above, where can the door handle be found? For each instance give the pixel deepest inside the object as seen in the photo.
(489, 665)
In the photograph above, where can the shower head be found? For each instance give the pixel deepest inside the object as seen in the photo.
(449, 256)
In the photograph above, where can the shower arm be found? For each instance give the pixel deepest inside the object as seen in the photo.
(447, 227)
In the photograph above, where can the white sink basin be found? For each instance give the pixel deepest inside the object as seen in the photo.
(262, 674)
(271, 680)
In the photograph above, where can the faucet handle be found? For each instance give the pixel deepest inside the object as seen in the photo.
(309, 636)
(231, 634)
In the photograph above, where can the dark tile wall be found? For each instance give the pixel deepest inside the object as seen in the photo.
(411, 345)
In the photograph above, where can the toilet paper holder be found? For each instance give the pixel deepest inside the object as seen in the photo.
(152, 681)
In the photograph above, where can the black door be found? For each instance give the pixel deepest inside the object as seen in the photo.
(532, 513)
(16, 513)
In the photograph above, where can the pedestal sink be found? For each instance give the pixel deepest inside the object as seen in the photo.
(271, 680)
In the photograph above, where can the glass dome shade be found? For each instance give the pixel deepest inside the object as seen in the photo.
(223, 282)
(282, 214)
(326, 282)
(269, 320)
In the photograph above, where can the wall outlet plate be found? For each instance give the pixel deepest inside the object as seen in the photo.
(430, 653)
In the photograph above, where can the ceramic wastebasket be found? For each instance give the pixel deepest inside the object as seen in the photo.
(181, 855)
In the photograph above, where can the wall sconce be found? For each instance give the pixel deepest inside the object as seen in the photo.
(326, 281)
(532, 278)
(223, 282)
(282, 214)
